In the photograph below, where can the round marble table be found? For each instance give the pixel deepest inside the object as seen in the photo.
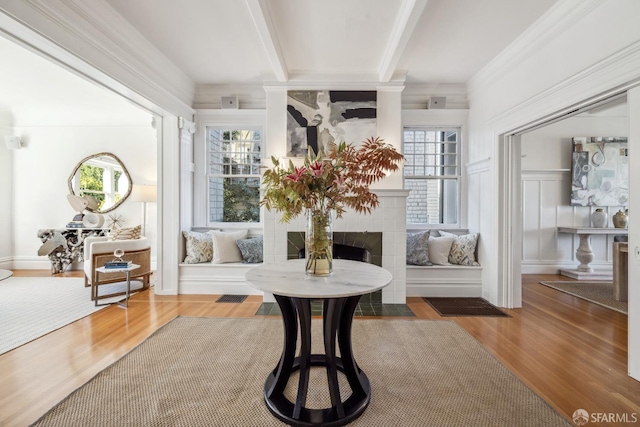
(340, 292)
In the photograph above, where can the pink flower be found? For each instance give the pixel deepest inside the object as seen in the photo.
(297, 174)
(316, 167)
(339, 181)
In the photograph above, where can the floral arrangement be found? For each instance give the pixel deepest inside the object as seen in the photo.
(335, 180)
(327, 183)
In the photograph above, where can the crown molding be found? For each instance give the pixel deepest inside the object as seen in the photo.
(90, 36)
(613, 75)
(560, 17)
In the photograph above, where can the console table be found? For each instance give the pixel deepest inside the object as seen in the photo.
(584, 254)
(65, 245)
(340, 292)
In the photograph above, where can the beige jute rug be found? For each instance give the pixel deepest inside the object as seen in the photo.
(600, 293)
(211, 372)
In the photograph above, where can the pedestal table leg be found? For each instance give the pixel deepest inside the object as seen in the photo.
(584, 254)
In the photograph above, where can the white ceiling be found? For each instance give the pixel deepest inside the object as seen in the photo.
(219, 41)
(252, 41)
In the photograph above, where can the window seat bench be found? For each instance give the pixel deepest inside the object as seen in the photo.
(422, 281)
(215, 279)
(444, 281)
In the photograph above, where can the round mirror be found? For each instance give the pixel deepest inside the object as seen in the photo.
(103, 177)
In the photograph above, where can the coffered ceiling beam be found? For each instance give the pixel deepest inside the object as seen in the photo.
(408, 16)
(261, 16)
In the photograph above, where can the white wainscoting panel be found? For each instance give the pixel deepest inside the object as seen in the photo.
(546, 205)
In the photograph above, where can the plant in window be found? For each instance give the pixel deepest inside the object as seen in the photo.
(326, 182)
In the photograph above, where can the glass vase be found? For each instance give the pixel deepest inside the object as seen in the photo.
(318, 243)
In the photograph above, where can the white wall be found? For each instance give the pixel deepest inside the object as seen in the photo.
(546, 185)
(6, 193)
(41, 170)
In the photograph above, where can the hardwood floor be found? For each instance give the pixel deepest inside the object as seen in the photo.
(571, 352)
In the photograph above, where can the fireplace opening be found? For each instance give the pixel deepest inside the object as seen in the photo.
(346, 252)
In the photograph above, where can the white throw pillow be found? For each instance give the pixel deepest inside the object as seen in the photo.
(225, 248)
(439, 248)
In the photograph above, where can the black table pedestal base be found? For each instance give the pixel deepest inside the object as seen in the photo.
(336, 324)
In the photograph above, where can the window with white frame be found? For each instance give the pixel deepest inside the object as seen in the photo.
(233, 174)
(432, 174)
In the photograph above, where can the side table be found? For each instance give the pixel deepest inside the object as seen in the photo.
(340, 292)
(584, 253)
(127, 270)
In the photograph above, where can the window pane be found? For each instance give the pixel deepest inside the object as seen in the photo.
(431, 153)
(240, 200)
(234, 175)
(432, 201)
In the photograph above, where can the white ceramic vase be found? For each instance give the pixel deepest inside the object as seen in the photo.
(599, 218)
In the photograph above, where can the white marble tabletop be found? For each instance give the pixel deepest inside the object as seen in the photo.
(592, 230)
(349, 278)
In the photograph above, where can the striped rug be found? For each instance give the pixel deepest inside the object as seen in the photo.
(31, 307)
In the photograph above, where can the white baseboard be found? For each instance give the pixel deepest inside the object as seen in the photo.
(533, 267)
(449, 290)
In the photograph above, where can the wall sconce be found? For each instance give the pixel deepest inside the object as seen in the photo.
(13, 142)
(144, 194)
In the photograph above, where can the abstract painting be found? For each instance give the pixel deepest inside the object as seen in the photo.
(600, 171)
(318, 118)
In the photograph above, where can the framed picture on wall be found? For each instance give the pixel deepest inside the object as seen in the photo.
(319, 118)
(600, 171)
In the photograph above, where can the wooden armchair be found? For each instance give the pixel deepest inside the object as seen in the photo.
(98, 250)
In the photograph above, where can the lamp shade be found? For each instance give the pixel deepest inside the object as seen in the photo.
(144, 193)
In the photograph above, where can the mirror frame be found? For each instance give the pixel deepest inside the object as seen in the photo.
(124, 169)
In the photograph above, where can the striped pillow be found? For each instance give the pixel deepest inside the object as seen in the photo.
(126, 233)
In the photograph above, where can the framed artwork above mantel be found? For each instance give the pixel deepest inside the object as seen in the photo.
(600, 171)
(318, 118)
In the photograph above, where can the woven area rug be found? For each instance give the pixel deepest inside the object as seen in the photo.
(211, 372)
(600, 293)
(447, 306)
(31, 307)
